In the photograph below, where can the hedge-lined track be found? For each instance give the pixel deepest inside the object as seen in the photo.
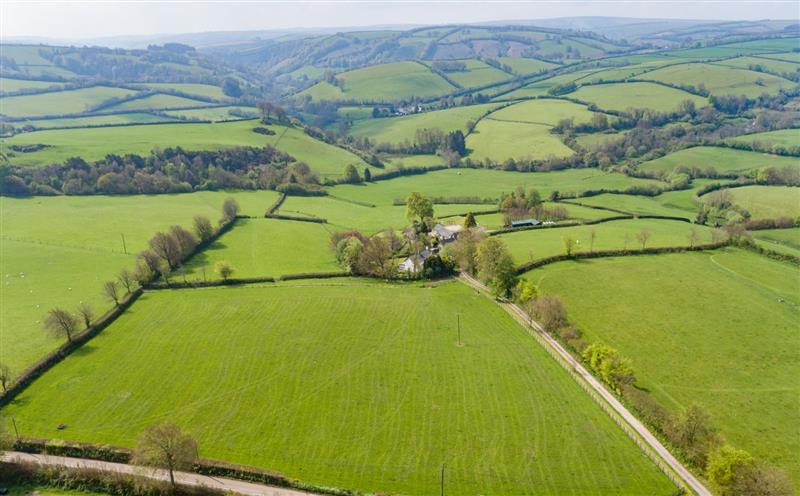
(379, 398)
(737, 357)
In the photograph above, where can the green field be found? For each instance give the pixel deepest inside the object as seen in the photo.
(95, 120)
(623, 96)
(784, 137)
(722, 160)
(343, 215)
(545, 111)
(8, 85)
(501, 140)
(412, 161)
(94, 144)
(202, 90)
(539, 88)
(768, 202)
(59, 102)
(525, 66)
(575, 212)
(214, 114)
(485, 183)
(266, 247)
(158, 101)
(478, 73)
(49, 258)
(399, 129)
(594, 140)
(770, 65)
(639, 205)
(535, 244)
(384, 82)
(781, 240)
(718, 329)
(345, 383)
(720, 80)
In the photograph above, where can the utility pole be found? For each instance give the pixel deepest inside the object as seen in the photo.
(14, 423)
(124, 248)
(442, 490)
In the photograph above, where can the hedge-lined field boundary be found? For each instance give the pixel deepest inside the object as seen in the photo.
(617, 253)
(507, 230)
(205, 466)
(244, 280)
(51, 359)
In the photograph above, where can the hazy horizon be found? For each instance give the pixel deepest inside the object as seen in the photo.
(90, 20)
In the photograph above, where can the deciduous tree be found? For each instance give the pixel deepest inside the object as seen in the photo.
(86, 313)
(643, 237)
(111, 290)
(230, 209)
(126, 280)
(203, 228)
(61, 323)
(418, 207)
(5, 376)
(223, 269)
(165, 446)
(167, 248)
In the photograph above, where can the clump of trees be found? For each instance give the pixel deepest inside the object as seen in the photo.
(368, 256)
(495, 266)
(419, 211)
(522, 205)
(171, 170)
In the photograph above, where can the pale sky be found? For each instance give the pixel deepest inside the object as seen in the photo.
(81, 19)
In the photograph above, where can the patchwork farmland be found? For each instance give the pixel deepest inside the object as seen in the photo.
(446, 259)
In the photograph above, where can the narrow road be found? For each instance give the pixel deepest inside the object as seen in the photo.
(185, 478)
(521, 317)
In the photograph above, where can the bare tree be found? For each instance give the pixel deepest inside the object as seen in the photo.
(5, 376)
(111, 290)
(165, 446)
(230, 209)
(61, 323)
(127, 280)
(86, 313)
(203, 228)
(643, 237)
(151, 260)
(693, 236)
(167, 248)
(185, 239)
(570, 245)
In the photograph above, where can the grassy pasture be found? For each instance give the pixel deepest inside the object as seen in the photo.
(159, 101)
(202, 90)
(771, 65)
(524, 66)
(784, 137)
(500, 140)
(544, 111)
(539, 88)
(96, 120)
(721, 80)
(383, 82)
(593, 140)
(25, 54)
(787, 56)
(484, 183)
(575, 212)
(342, 215)
(478, 73)
(638, 205)
(399, 129)
(59, 102)
(717, 328)
(213, 113)
(527, 246)
(766, 202)
(623, 96)
(266, 247)
(725, 160)
(781, 240)
(48, 257)
(352, 384)
(413, 160)
(8, 84)
(94, 144)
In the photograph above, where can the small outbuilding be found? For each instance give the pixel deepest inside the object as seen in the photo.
(524, 223)
(447, 233)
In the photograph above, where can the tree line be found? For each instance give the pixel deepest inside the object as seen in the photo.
(171, 170)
